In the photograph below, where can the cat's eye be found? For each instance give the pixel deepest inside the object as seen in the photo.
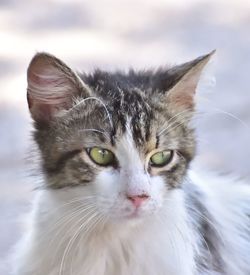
(101, 156)
(162, 158)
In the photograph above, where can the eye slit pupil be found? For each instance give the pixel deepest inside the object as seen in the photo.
(101, 156)
(161, 159)
(102, 152)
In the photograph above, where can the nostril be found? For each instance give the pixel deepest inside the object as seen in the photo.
(138, 200)
(143, 196)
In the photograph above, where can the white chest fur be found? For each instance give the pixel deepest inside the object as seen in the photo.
(161, 244)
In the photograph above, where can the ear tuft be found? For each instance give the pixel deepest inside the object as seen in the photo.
(52, 85)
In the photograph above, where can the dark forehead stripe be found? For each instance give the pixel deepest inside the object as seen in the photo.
(129, 109)
(157, 141)
(125, 100)
(141, 120)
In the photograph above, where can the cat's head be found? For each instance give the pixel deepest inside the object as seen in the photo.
(123, 138)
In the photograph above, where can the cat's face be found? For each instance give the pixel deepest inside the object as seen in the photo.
(124, 138)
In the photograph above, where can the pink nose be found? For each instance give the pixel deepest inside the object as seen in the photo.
(138, 200)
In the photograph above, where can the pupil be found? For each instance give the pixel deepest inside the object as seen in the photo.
(102, 153)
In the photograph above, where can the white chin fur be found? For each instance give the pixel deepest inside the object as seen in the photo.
(163, 243)
(151, 246)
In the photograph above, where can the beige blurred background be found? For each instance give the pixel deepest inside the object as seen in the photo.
(119, 34)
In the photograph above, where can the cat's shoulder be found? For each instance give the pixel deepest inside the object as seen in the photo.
(225, 193)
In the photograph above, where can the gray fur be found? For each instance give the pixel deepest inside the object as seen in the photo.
(142, 96)
(97, 114)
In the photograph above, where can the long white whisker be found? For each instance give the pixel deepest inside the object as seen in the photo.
(74, 200)
(171, 129)
(84, 202)
(104, 106)
(170, 238)
(78, 212)
(207, 220)
(220, 111)
(68, 218)
(98, 221)
(206, 244)
(180, 114)
(95, 220)
(75, 236)
(95, 130)
(86, 226)
(200, 233)
(183, 119)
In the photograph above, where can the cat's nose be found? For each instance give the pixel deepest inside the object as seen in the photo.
(138, 200)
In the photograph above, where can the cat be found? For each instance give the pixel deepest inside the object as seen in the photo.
(119, 197)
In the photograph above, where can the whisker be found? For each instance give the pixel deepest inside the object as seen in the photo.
(200, 233)
(205, 218)
(95, 130)
(171, 239)
(173, 120)
(83, 204)
(100, 101)
(79, 212)
(243, 123)
(221, 111)
(199, 215)
(72, 201)
(99, 221)
(176, 125)
(206, 244)
(71, 241)
(68, 218)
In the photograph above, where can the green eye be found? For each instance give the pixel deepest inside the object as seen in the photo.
(101, 156)
(161, 159)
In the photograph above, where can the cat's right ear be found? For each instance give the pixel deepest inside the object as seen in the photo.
(52, 86)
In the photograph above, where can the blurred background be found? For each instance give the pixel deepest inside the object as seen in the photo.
(120, 34)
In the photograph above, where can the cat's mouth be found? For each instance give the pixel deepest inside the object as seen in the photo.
(137, 215)
(138, 212)
(130, 213)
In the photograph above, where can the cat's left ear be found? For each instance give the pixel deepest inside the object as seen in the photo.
(187, 75)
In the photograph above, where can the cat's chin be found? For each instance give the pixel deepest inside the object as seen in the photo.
(134, 217)
(131, 221)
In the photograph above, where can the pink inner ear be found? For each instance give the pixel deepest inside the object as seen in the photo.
(50, 87)
(182, 96)
(185, 101)
(40, 112)
(49, 91)
(44, 81)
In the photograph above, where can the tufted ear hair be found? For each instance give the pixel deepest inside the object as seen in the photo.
(52, 85)
(181, 93)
